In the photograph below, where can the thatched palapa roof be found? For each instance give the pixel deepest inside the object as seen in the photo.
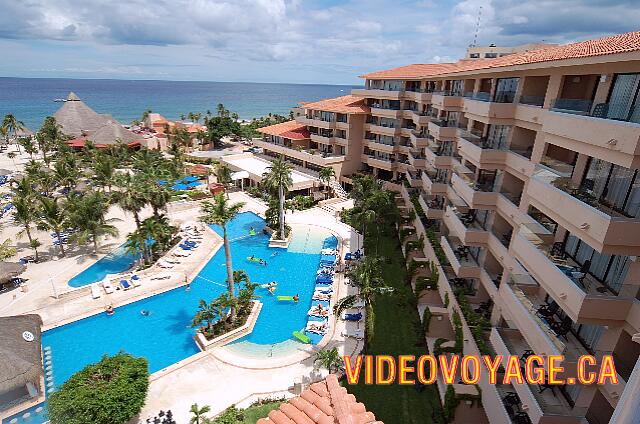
(8, 270)
(76, 118)
(112, 132)
(20, 360)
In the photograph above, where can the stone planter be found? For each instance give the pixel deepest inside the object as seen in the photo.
(276, 242)
(232, 335)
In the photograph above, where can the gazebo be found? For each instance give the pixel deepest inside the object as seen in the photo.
(21, 372)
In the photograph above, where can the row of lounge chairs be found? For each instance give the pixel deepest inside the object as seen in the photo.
(110, 285)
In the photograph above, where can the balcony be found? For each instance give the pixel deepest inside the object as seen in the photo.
(379, 162)
(579, 127)
(417, 95)
(418, 139)
(376, 110)
(479, 151)
(413, 180)
(581, 297)
(446, 100)
(420, 118)
(438, 156)
(376, 145)
(543, 405)
(464, 227)
(489, 109)
(316, 122)
(477, 196)
(596, 224)
(431, 185)
(381, 129)
(463, 264)
(430, 206)
(442, 129)
(417, 160)
(313, 156)
(521, 311)
(378, 93)
(322, 139)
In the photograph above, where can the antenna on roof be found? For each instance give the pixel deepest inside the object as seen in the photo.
(475, 35)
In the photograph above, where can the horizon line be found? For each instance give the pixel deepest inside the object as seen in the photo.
(167, 80)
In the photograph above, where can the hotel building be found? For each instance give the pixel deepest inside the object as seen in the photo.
(523, 173)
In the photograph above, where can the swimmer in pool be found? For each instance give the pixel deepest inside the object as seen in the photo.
(144, 312)
(296, 298)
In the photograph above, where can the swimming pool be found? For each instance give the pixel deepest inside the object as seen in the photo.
(165, 336)
(113, 263)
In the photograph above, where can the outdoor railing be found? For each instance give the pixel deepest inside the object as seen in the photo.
(532, 100)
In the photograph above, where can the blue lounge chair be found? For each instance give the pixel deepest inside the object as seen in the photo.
(353, 317)
(328, 258)
(348, 256)
(125, 284)
(324, 280)
(191, 243)
(186, 247)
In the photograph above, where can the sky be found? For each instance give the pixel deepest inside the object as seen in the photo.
(292, 41)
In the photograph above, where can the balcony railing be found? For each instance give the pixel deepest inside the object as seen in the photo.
(613, 111)
(482, 96)
(532, 100)
(447, 93)
(504, 96)
(444, 122)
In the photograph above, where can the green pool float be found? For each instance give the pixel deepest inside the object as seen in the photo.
(302, 337)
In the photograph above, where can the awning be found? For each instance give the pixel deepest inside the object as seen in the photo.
(240, 175)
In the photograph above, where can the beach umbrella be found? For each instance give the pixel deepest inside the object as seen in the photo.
(190, 179)
(194, 184)
(163, 182)
(179, 187)
(179, 181)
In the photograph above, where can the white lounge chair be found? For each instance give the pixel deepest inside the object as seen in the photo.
(95, 293)
(357, 334)
(108, 288)
(181, 253)
(160, 277)
(163, 264)
(317, 327)
(135, 280)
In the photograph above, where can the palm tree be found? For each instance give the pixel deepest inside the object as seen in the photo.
(208, 312)
(278, 176)
(25, 214)
(7, 250)
(137, 246)
(11, 125)
(53, 217)
(157, 196)
(66, 171)
(240, 276)
(130, 197)
(104, 170)
(329, 359)
(325, 175)
(87, 214)
(145, 114)
(220, 212)
(198, 414)
(49, 136)
(367, 277)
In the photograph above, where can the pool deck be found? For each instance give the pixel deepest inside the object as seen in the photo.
(219, 377)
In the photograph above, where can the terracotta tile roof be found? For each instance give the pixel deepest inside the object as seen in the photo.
(620, 43)
(290, 129)
(342, 104)
(325, 402)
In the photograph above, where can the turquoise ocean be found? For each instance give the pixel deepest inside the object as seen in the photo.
(31, 99)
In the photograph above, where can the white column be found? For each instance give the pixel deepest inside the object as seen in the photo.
(628, 409)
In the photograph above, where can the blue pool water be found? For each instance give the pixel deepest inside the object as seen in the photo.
(164, 337)
(113, 263)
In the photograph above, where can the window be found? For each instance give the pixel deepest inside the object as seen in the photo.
(474, 55)
(611, 270)
(490, 55)
(497, 136)
(506, 90)
(614, 186)
(624, 102)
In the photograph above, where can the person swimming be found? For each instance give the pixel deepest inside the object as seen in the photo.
(272, 289)
(144, 312)
(296, 298)
(262, 262)
(109, 310)
(274, 254)
(252, 231)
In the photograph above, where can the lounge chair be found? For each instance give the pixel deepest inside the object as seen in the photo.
(180, 253)
(317, 327)
(321, 296)
(95, 293)
(164, 264)
(160, 277)
(356, 334)
(125, 284)
(136, 281)
(353, 317)
(108, 288)
(186, 247)
(171, 261)
(315, 312)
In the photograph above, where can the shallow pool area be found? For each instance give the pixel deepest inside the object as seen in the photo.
(165, 335)
(114, 262)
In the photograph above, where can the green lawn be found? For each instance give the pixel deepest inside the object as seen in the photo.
(254, 413)
(397, 331)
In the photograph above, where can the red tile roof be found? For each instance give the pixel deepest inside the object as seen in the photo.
(323, 403)
(342, 104)
(290, 129)
(621, 43)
